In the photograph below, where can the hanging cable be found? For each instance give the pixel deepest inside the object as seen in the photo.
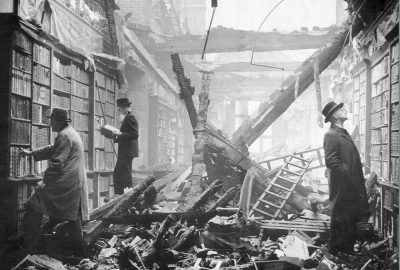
(255, 41)
(214, 5)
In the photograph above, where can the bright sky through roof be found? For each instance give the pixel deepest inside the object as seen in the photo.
(290, 15)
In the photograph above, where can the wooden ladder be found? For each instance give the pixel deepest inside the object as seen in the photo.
(275, 196)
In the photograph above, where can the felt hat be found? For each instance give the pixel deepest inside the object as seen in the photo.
(123, 102)
(60, 115)
(330, 108)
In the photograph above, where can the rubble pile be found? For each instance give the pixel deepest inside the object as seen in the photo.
(143, 229)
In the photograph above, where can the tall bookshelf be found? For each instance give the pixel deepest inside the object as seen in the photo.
(43, 76)
(360, 96)
(380, 84)
(163, 130)
(394, 113)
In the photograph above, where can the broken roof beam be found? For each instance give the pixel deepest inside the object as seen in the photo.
(281, 99)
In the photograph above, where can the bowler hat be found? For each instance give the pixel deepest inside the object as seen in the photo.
(330, 108)
(60, 115)
(123, 102)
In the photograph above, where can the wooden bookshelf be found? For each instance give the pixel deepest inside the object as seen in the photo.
(43, 77)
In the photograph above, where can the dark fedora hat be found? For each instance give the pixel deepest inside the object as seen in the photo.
(123, 102)
(60, 115)
(330, 108)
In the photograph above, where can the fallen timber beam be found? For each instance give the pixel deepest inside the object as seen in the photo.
(281, 99)
(93, 229)
(306, 225)
(159, 216)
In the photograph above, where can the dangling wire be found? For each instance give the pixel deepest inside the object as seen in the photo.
(214, 5)
(255, 41)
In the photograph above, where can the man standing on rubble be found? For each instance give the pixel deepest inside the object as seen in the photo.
(346, 182)
(62, 195)
(127, 141)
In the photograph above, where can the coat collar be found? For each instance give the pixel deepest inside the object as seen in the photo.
(342, 132)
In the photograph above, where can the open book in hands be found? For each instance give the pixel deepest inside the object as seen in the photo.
(109, 131)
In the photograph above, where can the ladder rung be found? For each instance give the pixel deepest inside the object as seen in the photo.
(300, 158)
(270, 203)
(276, 195)
(282, 187)
(295, 173)
(286, 179)
(265, 213)
(297, 165)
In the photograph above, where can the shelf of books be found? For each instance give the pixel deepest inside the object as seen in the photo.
(359, 108)
(380, 84)
(394, 114)
(43, 77)
(104, 151)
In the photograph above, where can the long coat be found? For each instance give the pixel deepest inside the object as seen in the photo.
(127, 141)
(64, 193)
(347, 188)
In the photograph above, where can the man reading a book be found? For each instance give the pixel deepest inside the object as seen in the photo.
(62, 195)
(127, 140)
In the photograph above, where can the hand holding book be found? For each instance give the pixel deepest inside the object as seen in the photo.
(24, 153)
(110, 131)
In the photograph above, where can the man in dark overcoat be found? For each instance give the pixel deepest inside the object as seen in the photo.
(346, 182)
(63, 193)
(127, 141)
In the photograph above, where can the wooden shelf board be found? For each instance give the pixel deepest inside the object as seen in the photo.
(20, 95)
(21, 70)
(39, 103)
(20, 49)
(20, 119)
(44, 65)
(43, 84)
(61, 91)
(62, 77)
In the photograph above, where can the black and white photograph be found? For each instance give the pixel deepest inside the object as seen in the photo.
(199, 134)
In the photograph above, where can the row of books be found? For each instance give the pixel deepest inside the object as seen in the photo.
(20, 83)
(104, 160)
(79, 104)
(20, 107)
(18, 166)
(90, 185)
(395, 74)
(99, 139)
(99, 121)
(104, 95)
(41, 55)
(85, 140)
(108, 145)
(40, 137)
(41, 74)
(395, 116)
(379, 136)
(39, 167)
(79, 89)
(394, 147)
(22, 41)
(104, 183)
(395, 52)
(379, 102)
(20, 132)
(395, 170)
(380, 70)
(22, 62)
(109, 109)
(78, 74)
(40, 114)
(61, 84)
(61, 102)
(80, 121)
(379, 119)
(60, 68)
(41, 94)
(379, 87)
(24, 191)
(395, 92)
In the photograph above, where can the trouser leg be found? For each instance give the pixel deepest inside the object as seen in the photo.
(122, 174)
(31, 229)
(342, 234)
